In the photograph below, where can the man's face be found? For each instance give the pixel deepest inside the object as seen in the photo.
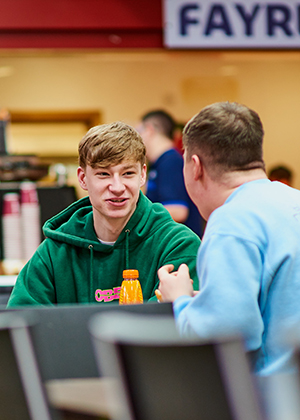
(196, 186)
(188, 174)
(193, 186)
(113, 191)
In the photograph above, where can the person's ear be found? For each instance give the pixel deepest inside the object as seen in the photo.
(197, 167)
(143, 175)
(81, 178)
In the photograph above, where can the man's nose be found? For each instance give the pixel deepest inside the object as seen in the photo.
(117, 184)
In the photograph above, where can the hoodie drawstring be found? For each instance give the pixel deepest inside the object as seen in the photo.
(92, 297)
(127, 231)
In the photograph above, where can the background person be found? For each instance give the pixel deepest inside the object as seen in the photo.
(249, 261)
(90, 243)
(165, 182)
(281, 173)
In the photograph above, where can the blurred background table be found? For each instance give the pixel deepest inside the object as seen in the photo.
(80, 398)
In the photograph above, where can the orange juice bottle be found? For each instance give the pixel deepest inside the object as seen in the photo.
(131, 291)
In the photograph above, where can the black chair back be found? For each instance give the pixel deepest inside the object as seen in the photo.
(22, 393)
(160, 375)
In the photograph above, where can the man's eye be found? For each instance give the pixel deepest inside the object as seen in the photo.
(129, 173)
(102, 174)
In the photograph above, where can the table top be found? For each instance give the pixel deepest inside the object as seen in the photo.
(7, 281)
(88, 395)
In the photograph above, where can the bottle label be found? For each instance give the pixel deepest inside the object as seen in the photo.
(131, 292)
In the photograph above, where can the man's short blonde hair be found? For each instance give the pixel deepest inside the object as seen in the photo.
(110, 144)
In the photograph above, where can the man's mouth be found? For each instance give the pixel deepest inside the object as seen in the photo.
(117, 200)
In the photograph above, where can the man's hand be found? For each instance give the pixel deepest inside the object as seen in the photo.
(174, 284)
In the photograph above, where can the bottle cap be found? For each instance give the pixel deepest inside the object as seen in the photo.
(129, 274)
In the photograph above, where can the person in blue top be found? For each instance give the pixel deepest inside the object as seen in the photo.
(249, 261)
(165, 183)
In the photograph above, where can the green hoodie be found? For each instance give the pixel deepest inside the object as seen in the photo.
(72, 266)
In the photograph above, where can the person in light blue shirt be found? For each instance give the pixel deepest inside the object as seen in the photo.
(249, 261)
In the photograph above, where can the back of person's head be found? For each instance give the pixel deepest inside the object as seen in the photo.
(227, 137)
(161, 121)
(281, 173)
(110, 144)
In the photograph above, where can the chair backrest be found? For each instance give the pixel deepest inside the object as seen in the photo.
(61, 337)
(22, 393)
(161, 375)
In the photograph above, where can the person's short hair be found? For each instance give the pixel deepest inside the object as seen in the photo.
(110, 144)
(280, 172)
(227, 136)
(162, 122)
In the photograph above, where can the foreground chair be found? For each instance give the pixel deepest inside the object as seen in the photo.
(160, 375)
(22, 395)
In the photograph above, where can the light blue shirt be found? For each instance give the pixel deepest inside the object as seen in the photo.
(249, 273)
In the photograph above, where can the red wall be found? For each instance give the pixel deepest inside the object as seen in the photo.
(81, 24)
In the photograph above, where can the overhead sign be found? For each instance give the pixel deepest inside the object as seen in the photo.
(231, 24)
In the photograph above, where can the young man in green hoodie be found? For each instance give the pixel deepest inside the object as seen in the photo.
(90, 243)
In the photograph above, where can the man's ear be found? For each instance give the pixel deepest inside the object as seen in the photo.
(143, 175)
(197, 167)
(81, 178)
